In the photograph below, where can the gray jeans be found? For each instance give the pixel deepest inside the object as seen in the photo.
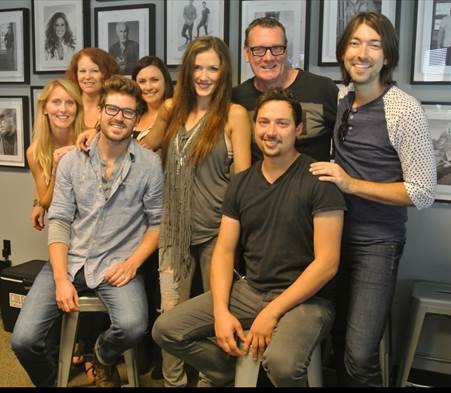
(187, 332)
(175, 292)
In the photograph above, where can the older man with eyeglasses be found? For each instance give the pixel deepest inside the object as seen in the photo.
(103, 225)
(265, 49)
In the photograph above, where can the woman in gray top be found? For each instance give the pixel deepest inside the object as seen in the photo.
(205, 138)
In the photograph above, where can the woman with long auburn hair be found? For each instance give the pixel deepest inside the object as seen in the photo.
(205, 140)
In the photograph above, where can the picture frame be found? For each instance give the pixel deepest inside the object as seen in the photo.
(34, 94)
(439, 119)
(60, 29)
(14, 46)
(210, 16)
(334, 16)
(14, 130)
(431, 62)
(286, 11)
(126, 32)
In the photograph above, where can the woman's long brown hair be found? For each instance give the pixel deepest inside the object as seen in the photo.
(185, 98)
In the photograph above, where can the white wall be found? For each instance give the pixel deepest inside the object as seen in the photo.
(428, 249)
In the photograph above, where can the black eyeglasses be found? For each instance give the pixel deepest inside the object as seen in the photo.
(344, 126)
(260, 51)
(113, 110)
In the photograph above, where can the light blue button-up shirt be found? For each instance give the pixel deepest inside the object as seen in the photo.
(106, 231)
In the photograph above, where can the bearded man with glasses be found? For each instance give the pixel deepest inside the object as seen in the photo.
(103, 225)
(265, 49)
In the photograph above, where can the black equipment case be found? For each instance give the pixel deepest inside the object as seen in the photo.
(15, 282)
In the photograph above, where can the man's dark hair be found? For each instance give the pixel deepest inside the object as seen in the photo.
(267, 22)
(278, 94)
(122, 85)
(389, 40)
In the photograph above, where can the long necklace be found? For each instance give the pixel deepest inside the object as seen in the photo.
(181, 145)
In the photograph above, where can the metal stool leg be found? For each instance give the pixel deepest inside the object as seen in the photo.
(384, 356)
(416, 323)
(246, 370)
(315, 369)
(132, 367)
(67, 342)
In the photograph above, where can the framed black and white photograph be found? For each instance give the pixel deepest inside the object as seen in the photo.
(431, 63)
(292, 14)
(34, 95)
(14, 48)
(439, 119)
(126, 32)
(186, 20)
(14, 130)
(335, 15)
(60, 29)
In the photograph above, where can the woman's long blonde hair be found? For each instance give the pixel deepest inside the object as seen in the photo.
(42, 134)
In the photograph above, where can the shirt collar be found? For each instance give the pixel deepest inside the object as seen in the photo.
(131, 149)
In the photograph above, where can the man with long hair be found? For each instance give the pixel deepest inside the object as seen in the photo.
(384, 162)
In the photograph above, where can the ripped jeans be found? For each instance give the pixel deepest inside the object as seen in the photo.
(175, 292)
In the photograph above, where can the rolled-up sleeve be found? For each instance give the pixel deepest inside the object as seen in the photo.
(153, 198)
(63, 201)
(416, 153)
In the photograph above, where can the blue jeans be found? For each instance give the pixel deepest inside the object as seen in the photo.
(188, 332)
(127, 308)
(366, 282)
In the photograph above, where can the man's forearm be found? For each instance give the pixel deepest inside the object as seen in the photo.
(58, 240)
(148, 245)
(221, 277)
(312, 279)
(58, 259)
(388, 193)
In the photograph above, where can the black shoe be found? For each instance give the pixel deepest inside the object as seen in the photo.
(106, 376)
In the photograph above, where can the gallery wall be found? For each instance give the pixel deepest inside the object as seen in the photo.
(427, 254)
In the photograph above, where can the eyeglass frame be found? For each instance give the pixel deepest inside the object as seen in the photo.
(344, 126)
(270, 48)
(117, 110)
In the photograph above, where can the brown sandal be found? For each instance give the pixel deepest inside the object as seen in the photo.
(77, 356)
(90, 371)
